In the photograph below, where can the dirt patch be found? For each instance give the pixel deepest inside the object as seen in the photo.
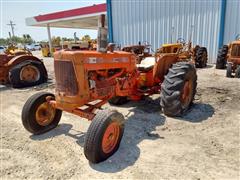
(203, 144)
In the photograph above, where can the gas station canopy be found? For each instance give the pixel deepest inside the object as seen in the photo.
(81, 18)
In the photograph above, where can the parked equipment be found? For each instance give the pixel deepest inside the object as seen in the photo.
(140, 50)
(21, 69)
(229, 56)
(198, 55)
(85, 80)
(12, 50)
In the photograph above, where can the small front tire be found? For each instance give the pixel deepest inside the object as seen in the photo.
(237, 72)
(103, 136)
(38, 116)
(229, 70)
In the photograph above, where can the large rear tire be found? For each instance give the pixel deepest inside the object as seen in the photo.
(222, 57)
(103, 136)
(28, 73)
(38, 116)
(178, 89)
(201, 57)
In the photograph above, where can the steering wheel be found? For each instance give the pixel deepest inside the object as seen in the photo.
(237, 37)
(181, 40)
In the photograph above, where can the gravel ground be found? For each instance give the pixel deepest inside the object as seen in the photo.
(203, 144)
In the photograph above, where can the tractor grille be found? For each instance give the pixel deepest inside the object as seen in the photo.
(65, 78)
(236, 50)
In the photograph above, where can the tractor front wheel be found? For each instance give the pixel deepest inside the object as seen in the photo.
(229, 70)
(38, 116)
(237, 72)
(104, 135)
(178, 89)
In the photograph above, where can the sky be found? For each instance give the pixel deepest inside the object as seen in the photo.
(18, 10)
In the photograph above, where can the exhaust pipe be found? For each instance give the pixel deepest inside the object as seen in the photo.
(102, 41)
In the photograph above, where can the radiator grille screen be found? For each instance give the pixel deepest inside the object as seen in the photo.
(236, 50)
(65, 77)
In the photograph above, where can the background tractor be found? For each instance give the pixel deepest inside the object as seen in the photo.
(85, 80)
(12, 50)
(198, 55)
(229, 56)
(21, 69)
(140, 50)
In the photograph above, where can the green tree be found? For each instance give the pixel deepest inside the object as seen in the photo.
(27, 39)
(3, 42)
(56, 41)
(86, 38)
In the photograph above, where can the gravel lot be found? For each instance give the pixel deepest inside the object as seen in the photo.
(203, 144)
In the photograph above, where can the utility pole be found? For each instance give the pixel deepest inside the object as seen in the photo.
(12, 27)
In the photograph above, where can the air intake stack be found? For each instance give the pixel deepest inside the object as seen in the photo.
(102, 35)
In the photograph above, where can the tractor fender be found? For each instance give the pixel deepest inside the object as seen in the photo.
(164, 62)
(21, 58)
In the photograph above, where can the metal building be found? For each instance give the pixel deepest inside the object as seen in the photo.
(209, 23)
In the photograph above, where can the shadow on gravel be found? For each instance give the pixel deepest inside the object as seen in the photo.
(61, 129)
(208, 66)
(140, 125)
(5, 87)
(198, 112)
(141, 122)
(48, 84)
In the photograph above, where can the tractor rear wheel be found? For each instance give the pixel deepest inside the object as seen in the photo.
(118, 100)
(222, 57)
(38, 116)
(178, 89)
(104, 135)
(28, 73)
(201, 57)
(237, 72)
(229, 70)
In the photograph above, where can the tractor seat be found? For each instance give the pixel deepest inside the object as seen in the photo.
(146, 64)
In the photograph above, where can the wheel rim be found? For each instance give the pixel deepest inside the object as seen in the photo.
(186, 93)
(110, 137)
(29, 73)
(45, 114)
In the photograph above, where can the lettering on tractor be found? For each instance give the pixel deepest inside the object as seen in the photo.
(229, 57)
(21, 69)
(83, 87)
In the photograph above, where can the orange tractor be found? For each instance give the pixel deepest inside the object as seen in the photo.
(198, 55)
(229, 56)
(85, 80)
(21, 69)
(140, 50)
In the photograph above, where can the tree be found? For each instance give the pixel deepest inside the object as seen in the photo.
(3, 41)
(86, 38)
(56, 41)
(27, 39)
(67, 39)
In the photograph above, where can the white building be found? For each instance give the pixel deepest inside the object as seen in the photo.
(212, 23)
